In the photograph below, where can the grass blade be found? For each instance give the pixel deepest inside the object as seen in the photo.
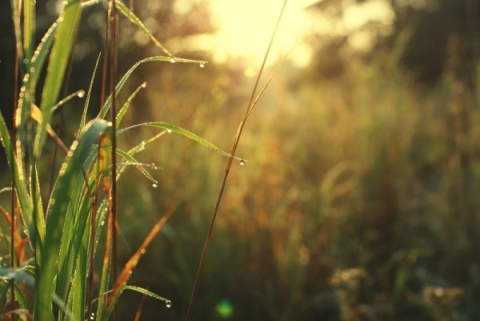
(121, 113)
(60, 55)
(168, 303)
(178, 130)
(106, 107)
(58, 207)
(249, 108)
(83, 121)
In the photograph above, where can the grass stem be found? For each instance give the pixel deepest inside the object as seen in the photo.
(250, 106)
(113, 19)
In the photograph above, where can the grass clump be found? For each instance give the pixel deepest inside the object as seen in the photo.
(55, 235)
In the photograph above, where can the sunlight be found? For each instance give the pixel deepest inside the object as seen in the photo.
(244, 29)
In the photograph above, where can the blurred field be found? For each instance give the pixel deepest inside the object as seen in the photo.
(357, 201)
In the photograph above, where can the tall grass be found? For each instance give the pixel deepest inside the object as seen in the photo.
(54, 247)
(351, 204)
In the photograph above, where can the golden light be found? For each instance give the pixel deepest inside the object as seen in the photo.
(244, 29)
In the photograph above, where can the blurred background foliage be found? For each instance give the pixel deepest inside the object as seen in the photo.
(360, 197)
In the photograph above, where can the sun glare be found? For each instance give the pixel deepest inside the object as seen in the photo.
(244, 29)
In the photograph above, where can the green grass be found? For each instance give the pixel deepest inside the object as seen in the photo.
(51, 266)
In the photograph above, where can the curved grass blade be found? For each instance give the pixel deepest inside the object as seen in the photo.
(83, 120)
(168, 303)
(27, 91)
(121, 113)
(178, 130)
(108, 102)
(70, 171)
(41, 52)
(136, 149)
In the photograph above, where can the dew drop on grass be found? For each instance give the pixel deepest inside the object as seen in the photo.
(144, 85)
(242, 162)
(168, 304)
(81, 94)
(169, 131)
(154, 185)
(173, 60)
(143, 251)
(202, 65)
(92, 316)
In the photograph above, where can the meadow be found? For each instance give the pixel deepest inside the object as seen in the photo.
(351, 198)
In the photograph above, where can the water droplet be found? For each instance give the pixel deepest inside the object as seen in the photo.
(173, 60)
(144, 85)
(154, 185)
(102, 223)
(202, 65)
(81, 94)
(169, 131)
(143, 251)
(242, 162)
(92, 316)
(168, 304)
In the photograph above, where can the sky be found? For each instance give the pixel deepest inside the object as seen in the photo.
(245, 27)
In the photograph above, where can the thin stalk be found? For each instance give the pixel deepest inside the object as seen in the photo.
(138, 314)
(113, 202)
(93, 223)
(14, 198)
(18, 53)
(251, 104)
(103, 88)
